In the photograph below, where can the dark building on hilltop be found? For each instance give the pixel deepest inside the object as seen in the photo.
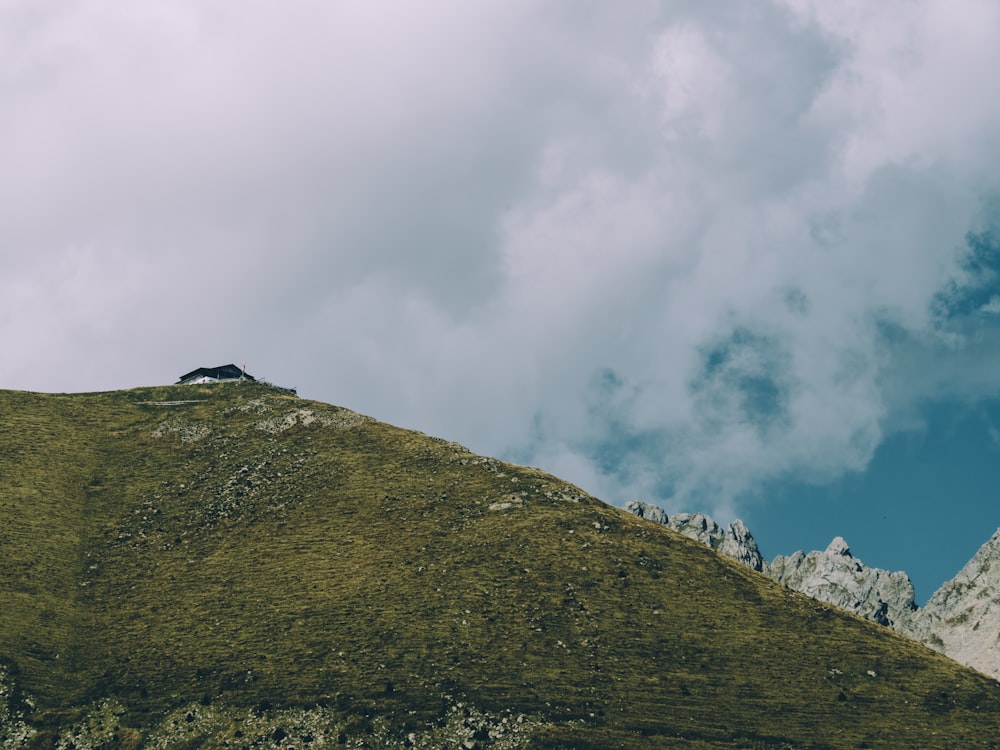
(215, 375)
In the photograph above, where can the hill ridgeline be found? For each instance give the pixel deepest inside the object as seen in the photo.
(229, 566)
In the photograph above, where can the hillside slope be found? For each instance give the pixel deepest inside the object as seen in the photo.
(230, 566)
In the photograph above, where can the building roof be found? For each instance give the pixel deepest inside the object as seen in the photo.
(222, 372)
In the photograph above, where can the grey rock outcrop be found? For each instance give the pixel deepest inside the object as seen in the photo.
(736, 541)
(739, 544)
(837, 577)
(834, 575)
(646, 510)
(962, 619)
(699, 527)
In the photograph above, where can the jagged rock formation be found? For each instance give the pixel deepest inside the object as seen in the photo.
(736, 541)
(647, 510)
(836, 576)
(962, 619)
(699, 527)
(739, 544)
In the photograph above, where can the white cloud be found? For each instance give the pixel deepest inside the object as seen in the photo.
(675, 250)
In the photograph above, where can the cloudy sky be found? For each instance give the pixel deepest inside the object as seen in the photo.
(723, 256)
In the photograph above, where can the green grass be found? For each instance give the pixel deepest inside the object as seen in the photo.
(240, 553)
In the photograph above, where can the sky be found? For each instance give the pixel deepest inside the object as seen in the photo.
(733, 257)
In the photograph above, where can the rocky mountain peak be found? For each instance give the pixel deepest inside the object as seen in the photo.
(836, 576)
(839, 547)
(962, 619)
(739, 544)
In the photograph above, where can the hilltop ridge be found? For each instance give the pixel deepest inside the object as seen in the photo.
(228, 565)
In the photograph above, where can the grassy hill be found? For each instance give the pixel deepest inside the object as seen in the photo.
(231, 566)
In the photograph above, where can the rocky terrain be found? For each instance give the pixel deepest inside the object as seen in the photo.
(735, 542)
(836, 576)
(961, 620)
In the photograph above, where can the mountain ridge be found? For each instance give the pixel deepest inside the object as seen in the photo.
(228, 565)
(961, 619)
